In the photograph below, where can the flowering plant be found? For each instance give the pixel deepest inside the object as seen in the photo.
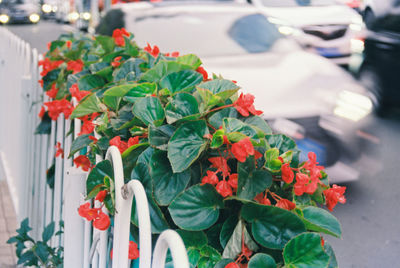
(211, 166)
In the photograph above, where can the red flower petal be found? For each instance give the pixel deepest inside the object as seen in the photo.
(285, 204)
(101, 195)
(102, 222)
(224, 189)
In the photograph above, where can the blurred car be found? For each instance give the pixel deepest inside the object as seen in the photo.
(373, 9)
(49, 9)
(64, 12)
(355, 4)
(325, 27)
(302, 94)
(19, 11)
(380, 69)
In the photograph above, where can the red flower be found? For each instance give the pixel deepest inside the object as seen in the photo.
(56, 107)
(83, 162)
(48, 45)
(211, 178)
(221, 164)
(86, 128)
(224, 189)
(242, 149)
(233, 181)
(203, 72)
(115, 63)
(133, 251)
(102, 221)
(173, 54)
(88, 213)
(133, 141)
(244, 105)
(287, 173)
(322, 241)
(312, 166)
(262, 199)
(68, 43)
(42, 112)
(300, 185)
(101, 195)
(285, 204)
(118, 36)
(40, 82)
(49, 65)
(334, 195)
(93, 138)
(122, 145)
(52, 93)
(75, 66)
(75, 92)
(59, 150)
(153, 51)
(232, 265)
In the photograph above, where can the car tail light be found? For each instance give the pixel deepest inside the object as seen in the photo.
(354, 3)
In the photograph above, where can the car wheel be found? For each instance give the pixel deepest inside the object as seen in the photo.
(369, 18)
(371, 81)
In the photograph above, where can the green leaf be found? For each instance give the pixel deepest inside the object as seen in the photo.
(74, 78)
(227, 230)
(90, 104)
(320, 220)
(79, 143)
(130, 156)
(332, 258)
(96, 67)
(159, 136)
(220, 87)
(197, 208)
(222, 263)
(45, 125)
(262, 260)
(206, 99)
(48, 232)
(236, 125)
(145, 156)
(97, 174)
(106, 42)
(234, 246)
(166, 184)
(190, 60)
(182, 106)
(282, 142)
(162, 69)
(131, 66)
(193, 239)
(304, 251)
(272, 227)
(186, 145)
(194, 256)
(209, 257)
(91, 81)
(258, 122)
(120, 90)
(251, 181)
(216, 119)
(149, 110)
(183, 81)
(50, 78)
(139, 91)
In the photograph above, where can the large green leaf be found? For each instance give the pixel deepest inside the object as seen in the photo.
(159, 136)
(183, 81)
(91, 81)
(120, 90)
(149, 110)
(197, 208)
(320, 220)
(193, 239)
(166, 184)
(259, 123)
(73, 78)
(49, 78)
(128, 68)
(282, 142)
(139, 91)
(235, 125)
(251, 181)
(209, 257)
(91, 104)
(130, 155)
(206, 99)
(186, 145)
(223, 263)
(234, 246)
(106, 42)
(189, 59)
(262, 260)
(97, 174)
(216, 119)
(227, 230)
(182, 106)
(220, 87)
(162, 69)
(80, 143)
(332, 258)
(304, 251)
(272, 227)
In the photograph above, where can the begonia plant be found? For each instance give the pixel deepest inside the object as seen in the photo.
(212, 168)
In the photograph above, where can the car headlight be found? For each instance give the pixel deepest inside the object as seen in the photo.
(283, 27)
(4, 18)
(54, 8)
(46, 8)
(86, 15)
(73, 16)
(34, 17)
(353, 106)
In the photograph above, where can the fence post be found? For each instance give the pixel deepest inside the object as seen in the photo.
(170, 239)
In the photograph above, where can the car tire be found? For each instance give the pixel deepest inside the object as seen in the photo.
(371, 81)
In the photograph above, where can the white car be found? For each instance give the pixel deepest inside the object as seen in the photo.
(377, 8)
(326, 27)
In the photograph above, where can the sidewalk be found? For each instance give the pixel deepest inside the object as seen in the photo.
(8, 225)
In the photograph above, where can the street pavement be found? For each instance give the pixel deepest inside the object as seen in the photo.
(370, 218)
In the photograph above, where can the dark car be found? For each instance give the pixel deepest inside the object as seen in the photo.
(19, 11)
(380, 71)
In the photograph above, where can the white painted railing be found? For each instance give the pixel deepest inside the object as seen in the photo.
(20, 101)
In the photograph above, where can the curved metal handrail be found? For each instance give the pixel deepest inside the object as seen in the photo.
(169, 239)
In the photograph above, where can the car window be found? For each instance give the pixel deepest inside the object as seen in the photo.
(296, 3)
(206, 33)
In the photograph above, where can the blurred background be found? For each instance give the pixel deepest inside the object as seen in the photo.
(325, 72)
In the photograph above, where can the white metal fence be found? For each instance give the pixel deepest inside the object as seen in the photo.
(25, 159)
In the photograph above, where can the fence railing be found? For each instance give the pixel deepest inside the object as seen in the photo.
(25, 160)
